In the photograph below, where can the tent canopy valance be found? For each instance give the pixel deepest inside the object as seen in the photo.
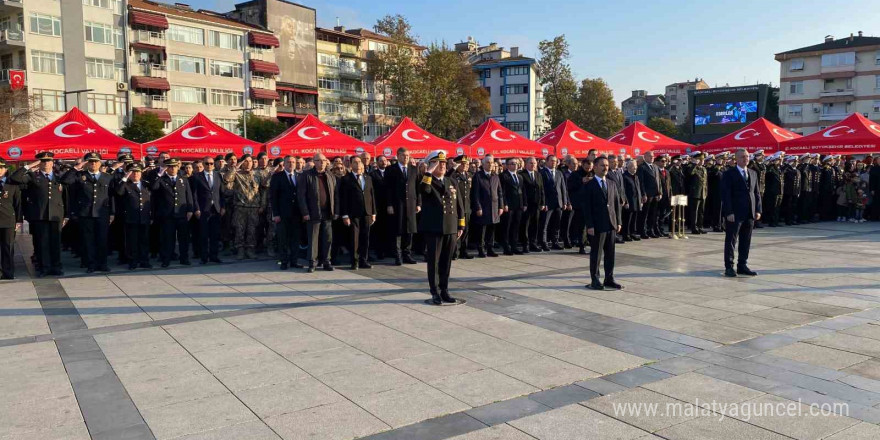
(200, 137)
(569, 139)
(761, 134)
(311, 136)
(855, 134)
(493, 138)
(640, 139)
(416, 140)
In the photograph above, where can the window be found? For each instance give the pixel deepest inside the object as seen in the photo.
(515, 89)
(672, 107)
(514, 108)
(488, 91)
(118, 38)
(101, 104)
(328, 83)
(47, 62)
(329, 107)
(349, 130)
(640, 111)
(328, 60)
(227, 69)
(796, 87)
(876, 106)
(796, 110)
(796, 65)
(97, 3)
(185, 34)
(99, 33)
(228, 125)
(122, 105)
(189, 95)
(119, 69)
(627, 112)
(49, 100)
(516, 126)
(45, 25)
(515, 70)
(118, 7)
(377, 46)
(877, 81)
(181, 63)
(98, 68)
(178, 121)
(224, 40)
(392, 110)
(374, 108)
(375, 130)
(487, 73)
(838, 59)
(369, 86)
(227, 98)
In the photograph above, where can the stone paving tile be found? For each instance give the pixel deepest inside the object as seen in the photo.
(497, 432)
(546, 372)
(711, 428)
(799, 424)
(505, 411)
(196, 416)
(346, 421)
(242, 431)
(637, 376)
(482, 387)
(691, 387)
(601, 386)
(856, 344)
(381, 377)
(436, 365)
(617, 405)
(789, 316)
(601, 359)
(862, 431)
(869, 369)
(575, 422)
(291, 396)
(409, 404)
(868, 330)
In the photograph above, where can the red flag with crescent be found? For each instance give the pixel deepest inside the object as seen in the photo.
(16, 79)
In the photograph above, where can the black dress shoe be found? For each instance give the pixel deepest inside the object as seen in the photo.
(595, 286)
(146, 266)
(311, 268)
(582, 251)
(435, 299)
(283, 266)
(481, 254)
(744, 270)
(519, 252)
(215, 260)
(166, 264)
(398, 262)
(409, 260)
(354, 266)
(545, 248)
(203, 262)
(759, 226)
(644, 237)
(636, 238)
(465, 256)
(132, 266)
(610, 284)
(296, 265)
(523, 251)
(557, 247)
(444, 296)
(628, 239)
(491, 253)
(567, 245)
(185, 262)
(7, 277)
(729, 272)
(508, 252)
(103, 269)
(90, 270)
(56, 273)
(534, 249)
(327, 266)
(365, 264)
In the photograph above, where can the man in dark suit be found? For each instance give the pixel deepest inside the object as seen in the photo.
(487, 204)
(209, 208)
(740, 207)
(137, 208)
(318, 197)
(10, 222)
(649, 177)
(173, 204)
(403, 205)
(357, 205)
(441, 223)
(514, 205)
(601, 206)
(576, 183)
(44, 209)
(91, 200)
(286, 213)
(533, 194)
(381, 241)
(556, 197)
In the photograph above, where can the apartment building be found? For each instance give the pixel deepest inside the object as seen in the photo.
(676, 99)
(72, 52)
(512, 82)
(185, 61)
(640, 107)
(340, 81)
(823, 83)
(294, 25)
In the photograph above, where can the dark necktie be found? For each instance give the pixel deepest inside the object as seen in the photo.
(292, 183)
(604, 189)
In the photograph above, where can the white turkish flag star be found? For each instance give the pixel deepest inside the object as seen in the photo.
(212, 133)
(90, 130)
(325, 133)
(851, 131)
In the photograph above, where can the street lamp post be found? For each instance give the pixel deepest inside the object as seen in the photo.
(244, 118)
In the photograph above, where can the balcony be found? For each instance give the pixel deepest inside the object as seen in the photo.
(351, 95)
(11, 38)
(157, 102)
(10, 6)
(150, 38)
(351, 117)
(264, 110)
(836, 92)
(348, 50)
(351, 72)
(150, 70)
(261, 82)
(833, 116)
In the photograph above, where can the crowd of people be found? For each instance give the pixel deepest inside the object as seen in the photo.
(324, 212)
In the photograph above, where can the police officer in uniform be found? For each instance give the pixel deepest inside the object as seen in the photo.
(442, 223)
(44, 210)
(91, 200)
(10, 222)
(136, 206)
(462, 176)
(173, 204)
(697, 190)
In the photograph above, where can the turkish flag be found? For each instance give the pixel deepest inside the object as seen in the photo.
(16, 79)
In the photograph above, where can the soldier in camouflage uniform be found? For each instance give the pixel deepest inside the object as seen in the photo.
(760, 168)
(773, 188)
(791, 190)
(243, 184)
(226, 231)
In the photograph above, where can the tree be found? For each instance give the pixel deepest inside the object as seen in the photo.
(143, 127)
(664, 126)
(394, 69)
(596, 110)
(261, 129)
(560, 87)
(16, 116)
(396, 27)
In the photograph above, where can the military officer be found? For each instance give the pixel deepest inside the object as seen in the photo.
(91, 200)
(173, 207)
(757, 164)
(774, 184)
(791, 190)
(697, 190)
(714, 169)
(676, 176)
(462, 176)
(10, 222)
(248, 201)
(44, 209)
(136, 207)
(442, 222)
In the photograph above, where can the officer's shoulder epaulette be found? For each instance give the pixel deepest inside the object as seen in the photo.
(426, 180)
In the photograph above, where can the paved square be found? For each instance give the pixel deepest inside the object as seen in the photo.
(244, 351)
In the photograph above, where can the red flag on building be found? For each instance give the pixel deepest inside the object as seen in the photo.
(16, 79)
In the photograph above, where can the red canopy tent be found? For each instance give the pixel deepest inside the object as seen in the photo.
(312, 136)
(198, 138)
(855, 134)
(640, 139)
(569, 139)
(761, 134)
(69, 137)
(415, 139)
(495, 139)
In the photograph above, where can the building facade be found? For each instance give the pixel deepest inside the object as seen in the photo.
(823, 83)
(513, 84)
(340, 81)
(73, 54)
(640, 107)
(676, 98)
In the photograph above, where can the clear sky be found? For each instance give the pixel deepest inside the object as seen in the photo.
(631, 44)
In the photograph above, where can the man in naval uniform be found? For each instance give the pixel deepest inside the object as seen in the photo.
(441, 223)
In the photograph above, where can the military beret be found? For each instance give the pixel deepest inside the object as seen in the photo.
(45, 156)
(172, 162)
(244, 157)
(277, 161)
(262, 154)
(229, 156)
(92, 157)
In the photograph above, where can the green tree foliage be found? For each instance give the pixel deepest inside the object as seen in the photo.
(596, 110)
(262, 129)
(664, 126)
(143, 127)
(560, 87)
